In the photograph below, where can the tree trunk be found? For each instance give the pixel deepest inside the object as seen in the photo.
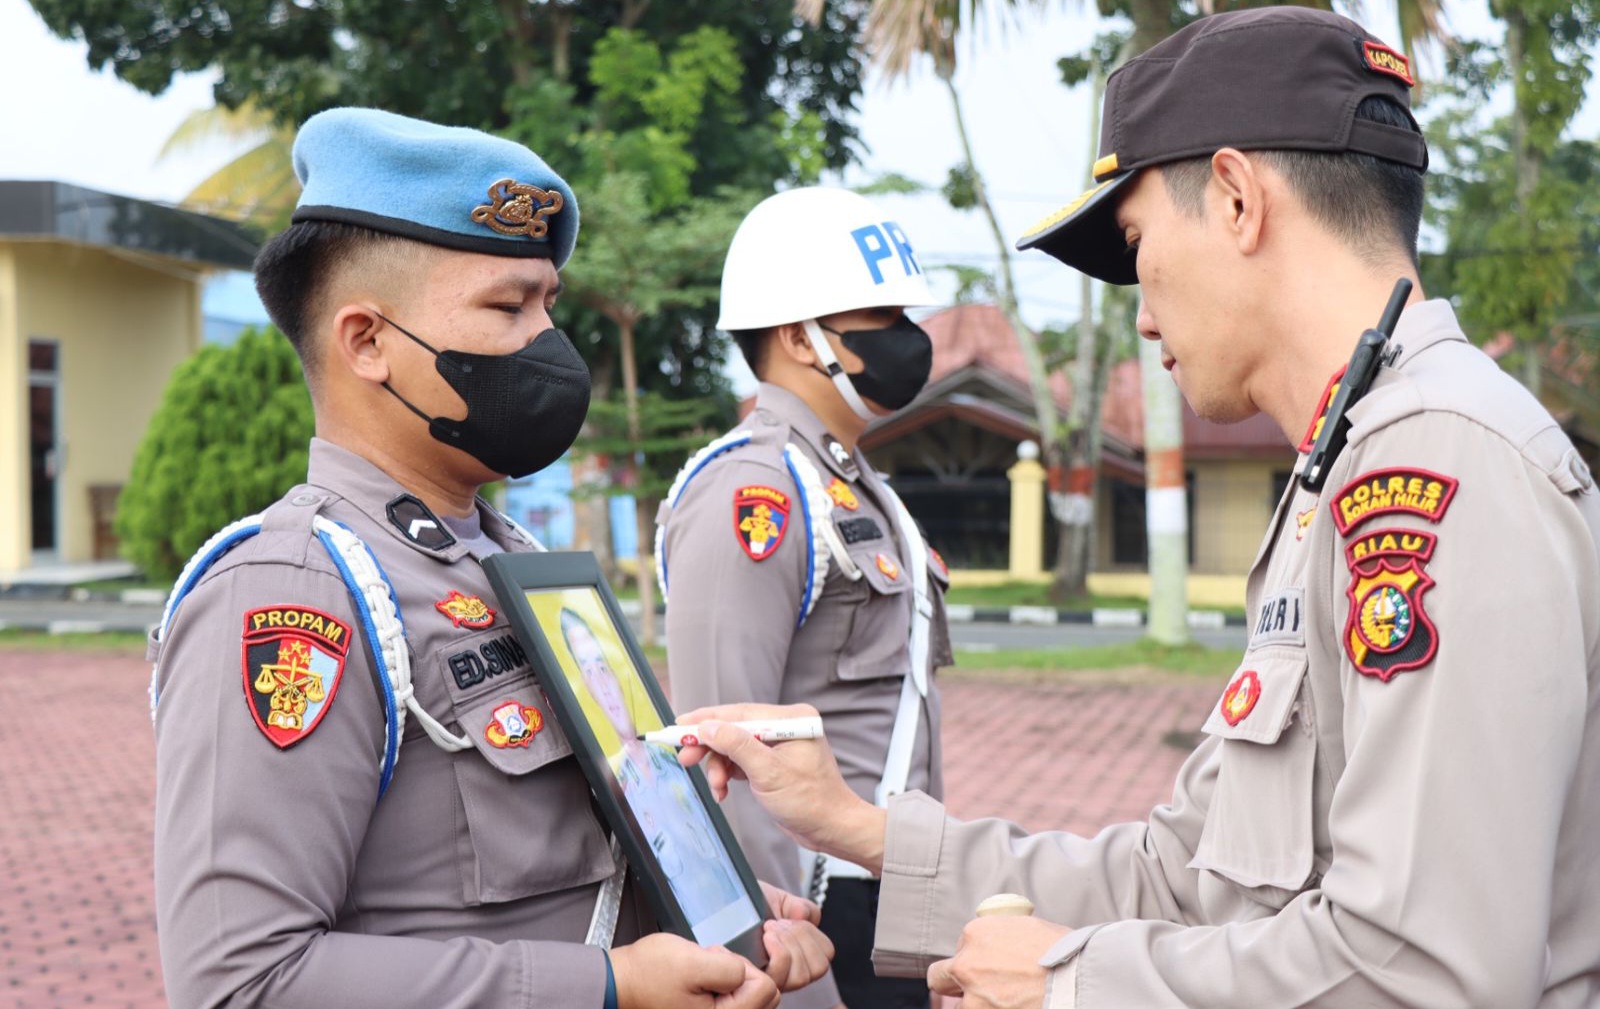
(561, 44)
(1528, 166)
(591, 512)
(644, 519)
(1166, 495)
(1043, 404)
(1072, 503)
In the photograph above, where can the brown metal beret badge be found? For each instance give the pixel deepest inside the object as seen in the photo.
(516, 208)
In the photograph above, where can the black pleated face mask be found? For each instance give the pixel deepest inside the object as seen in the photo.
(896, 361)
(524, 410)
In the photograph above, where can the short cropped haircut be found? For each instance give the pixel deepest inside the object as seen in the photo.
(298, 268)
(1372, 204)
(754, 345)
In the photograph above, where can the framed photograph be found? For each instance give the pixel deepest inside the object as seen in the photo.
(603, 694)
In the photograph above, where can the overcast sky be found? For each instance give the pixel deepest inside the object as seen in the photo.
(60, 120)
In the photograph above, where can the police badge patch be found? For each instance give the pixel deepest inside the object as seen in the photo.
(760, 518)
(843, 496)
(1387, 631)
(1241, 696)
(513, 723)
(466, 611)
(293, 660)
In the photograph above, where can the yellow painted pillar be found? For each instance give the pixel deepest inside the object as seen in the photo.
(15, 512)
(1027, 513)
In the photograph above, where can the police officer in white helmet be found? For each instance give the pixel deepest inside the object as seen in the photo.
(792, 571)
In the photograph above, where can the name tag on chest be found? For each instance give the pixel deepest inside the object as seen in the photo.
(1281, 620)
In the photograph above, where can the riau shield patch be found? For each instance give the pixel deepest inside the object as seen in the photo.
(293, 660)
(760, 518)
(1388, 631)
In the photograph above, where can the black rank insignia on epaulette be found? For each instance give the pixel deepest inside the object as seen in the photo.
(417, 524)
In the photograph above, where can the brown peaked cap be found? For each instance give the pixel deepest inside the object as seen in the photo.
(1275, 78)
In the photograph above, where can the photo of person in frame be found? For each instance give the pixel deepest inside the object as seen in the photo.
(655, 787)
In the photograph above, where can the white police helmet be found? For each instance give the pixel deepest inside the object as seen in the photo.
(814, 251)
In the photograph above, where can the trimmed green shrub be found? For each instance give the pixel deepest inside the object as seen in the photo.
(230, 436)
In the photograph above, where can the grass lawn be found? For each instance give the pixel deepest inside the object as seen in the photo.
(1029, 594)
(123, 584)
(1138, 657)
(113, 642)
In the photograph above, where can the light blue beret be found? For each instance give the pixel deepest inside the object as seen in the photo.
(444, 185)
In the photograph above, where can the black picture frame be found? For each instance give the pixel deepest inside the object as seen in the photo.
(681, 876)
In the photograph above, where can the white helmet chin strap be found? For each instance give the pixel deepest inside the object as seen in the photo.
(835, 370)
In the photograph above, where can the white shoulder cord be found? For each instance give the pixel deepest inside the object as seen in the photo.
(680, 483)
(824, 544)
(385, 616)
(897, 766)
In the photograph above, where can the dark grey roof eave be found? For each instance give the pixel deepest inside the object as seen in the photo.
(62, 211)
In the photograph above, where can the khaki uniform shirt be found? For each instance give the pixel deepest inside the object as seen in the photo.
(1399, 807)
(731, 633)
(281, 878)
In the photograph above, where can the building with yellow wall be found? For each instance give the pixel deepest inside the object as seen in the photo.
(99, 302)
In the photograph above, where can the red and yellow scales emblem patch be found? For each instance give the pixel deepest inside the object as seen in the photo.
(293, 659)
(760, 518)
(466, 611)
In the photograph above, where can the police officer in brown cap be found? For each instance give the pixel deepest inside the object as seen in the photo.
(362, 797)
(1397, 800)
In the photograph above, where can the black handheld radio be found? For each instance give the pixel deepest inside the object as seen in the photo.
(1371, 352)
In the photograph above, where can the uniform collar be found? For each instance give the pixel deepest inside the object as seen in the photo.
(398, 511)
(1420, 326)
(1423, 326)
(790, 409)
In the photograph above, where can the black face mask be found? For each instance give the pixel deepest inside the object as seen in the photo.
(523, 409)
(895, 361)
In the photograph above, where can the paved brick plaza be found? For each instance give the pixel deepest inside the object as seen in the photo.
(77, 927)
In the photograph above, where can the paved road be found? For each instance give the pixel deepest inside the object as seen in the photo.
(63, 615)
(77, 926)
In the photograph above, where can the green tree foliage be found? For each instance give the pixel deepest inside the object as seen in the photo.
(1516, 198)
(652, 246)
(229, 437)
(458, 61)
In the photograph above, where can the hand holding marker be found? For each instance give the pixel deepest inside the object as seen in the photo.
(767, 730)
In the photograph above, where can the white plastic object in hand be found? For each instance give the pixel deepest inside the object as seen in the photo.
(1005, 905)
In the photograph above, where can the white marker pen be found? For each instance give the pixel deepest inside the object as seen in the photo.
(768, 730)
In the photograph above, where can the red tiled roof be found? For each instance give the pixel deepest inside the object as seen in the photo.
(966, 335)
(979, 336)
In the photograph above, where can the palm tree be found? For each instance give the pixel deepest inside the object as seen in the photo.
(899, 31)
(257, 187)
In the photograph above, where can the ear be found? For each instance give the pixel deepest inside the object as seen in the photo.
(790, 340)
(355, 343)
(1237, 194)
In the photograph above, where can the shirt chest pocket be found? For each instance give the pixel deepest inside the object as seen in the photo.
(880, 619)
(1258, 831)
(529, 822)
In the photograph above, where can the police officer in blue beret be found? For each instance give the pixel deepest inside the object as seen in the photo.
(299, 860)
